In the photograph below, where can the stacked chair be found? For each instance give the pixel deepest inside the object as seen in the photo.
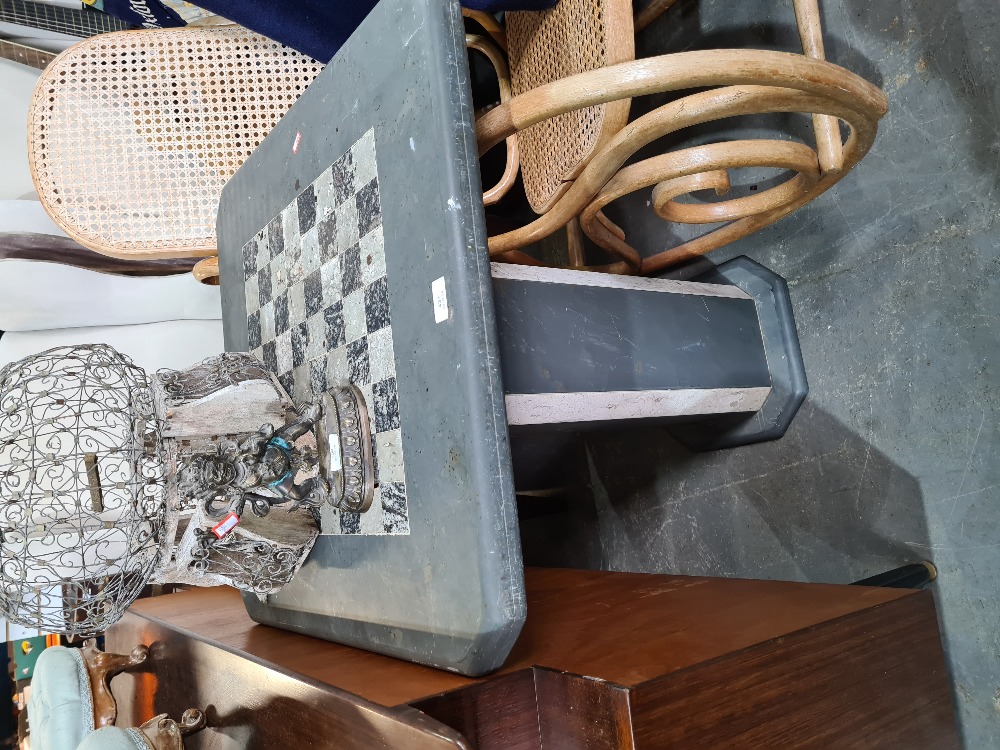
(134, 134)
(573, 73)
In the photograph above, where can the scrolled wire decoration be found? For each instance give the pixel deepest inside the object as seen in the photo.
(81, 488)
(214, 374)
(750, 82)
(250, 565)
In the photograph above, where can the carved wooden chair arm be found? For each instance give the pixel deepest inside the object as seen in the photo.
(752, 81)
(163, 733)
(101, 668)
(159, 733)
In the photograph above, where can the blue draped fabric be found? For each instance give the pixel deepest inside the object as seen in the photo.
(319, 28)
(146, 14)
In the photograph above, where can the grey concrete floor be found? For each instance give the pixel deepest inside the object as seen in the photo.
(895, 280)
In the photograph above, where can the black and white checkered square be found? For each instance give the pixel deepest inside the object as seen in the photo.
(318, 312)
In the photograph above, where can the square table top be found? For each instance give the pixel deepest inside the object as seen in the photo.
(352, 247)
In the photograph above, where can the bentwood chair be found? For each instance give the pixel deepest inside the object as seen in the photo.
(132, 135)
(573, 73)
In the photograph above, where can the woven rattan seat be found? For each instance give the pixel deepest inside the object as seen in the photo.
(134, 134)
(576, 36)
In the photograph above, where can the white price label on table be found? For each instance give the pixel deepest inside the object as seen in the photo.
(336, 460)
(440, 296)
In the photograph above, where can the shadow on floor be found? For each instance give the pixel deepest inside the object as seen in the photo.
(822, 504)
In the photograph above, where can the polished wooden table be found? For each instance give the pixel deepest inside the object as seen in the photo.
(606, 660)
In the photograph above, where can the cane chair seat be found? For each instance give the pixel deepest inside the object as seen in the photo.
(134, 134)
(576, 36)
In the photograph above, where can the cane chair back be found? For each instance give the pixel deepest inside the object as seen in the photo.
(574, 37)
(134, 134)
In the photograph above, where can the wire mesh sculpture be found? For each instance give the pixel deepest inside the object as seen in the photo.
(111, 479)
(81, 487)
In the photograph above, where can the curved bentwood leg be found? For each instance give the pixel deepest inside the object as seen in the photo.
(752, 82)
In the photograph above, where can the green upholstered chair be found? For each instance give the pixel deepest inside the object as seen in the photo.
(60, 710)
(159, 733)
(113, 738)
(71, 706)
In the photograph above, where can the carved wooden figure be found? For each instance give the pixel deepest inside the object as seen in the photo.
(72, 706)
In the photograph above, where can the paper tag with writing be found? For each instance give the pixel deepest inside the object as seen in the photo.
(227, 524)
(440, 296)
(336, 459)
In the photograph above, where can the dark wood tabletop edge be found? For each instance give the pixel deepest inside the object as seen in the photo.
(533, 668)
(418, 718)
(402, 712)
(904, 599)
(612, 684)
(536, 572)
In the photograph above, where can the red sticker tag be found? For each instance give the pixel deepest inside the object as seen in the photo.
(226, 525)
(298, 140)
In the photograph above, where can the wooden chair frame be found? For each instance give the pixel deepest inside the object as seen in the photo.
(162, 732)
(495, 56)
(652, 10)
(752, 82)
(101, 669)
